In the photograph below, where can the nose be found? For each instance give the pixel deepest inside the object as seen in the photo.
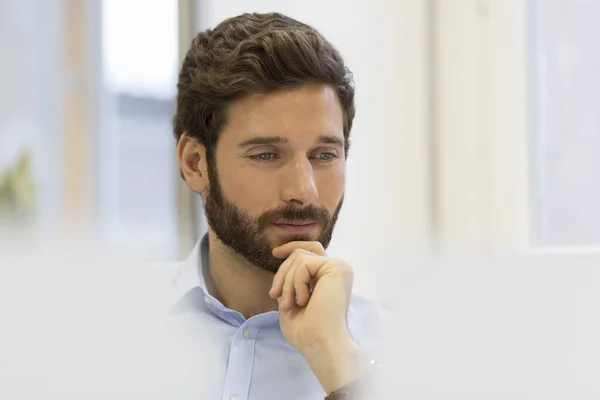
(299, 183)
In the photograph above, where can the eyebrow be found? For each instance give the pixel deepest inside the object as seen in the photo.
(269, 140)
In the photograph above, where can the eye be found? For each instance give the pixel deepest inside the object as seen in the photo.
(326, 156)
(263, 156)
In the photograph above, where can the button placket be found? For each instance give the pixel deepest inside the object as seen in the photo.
(239, 371)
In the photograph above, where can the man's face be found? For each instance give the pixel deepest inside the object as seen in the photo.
(279, 174)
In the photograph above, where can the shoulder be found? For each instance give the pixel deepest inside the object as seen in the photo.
(158, 280)
(366, 320)
(364, 309)
(164, 274)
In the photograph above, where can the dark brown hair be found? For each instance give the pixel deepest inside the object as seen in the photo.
(253, 53)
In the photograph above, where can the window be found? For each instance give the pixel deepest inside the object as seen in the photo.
(31, 79)
(136, 164)
(565, 134)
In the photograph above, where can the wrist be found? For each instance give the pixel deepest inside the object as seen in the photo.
(336, 362)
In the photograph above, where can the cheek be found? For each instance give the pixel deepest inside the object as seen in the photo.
(331, 188)
(250, 191)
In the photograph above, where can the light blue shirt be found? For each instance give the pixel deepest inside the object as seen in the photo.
(223, 355)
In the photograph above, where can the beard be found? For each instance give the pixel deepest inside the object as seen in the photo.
(246, 235)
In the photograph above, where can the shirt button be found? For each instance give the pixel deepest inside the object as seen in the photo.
(247, 332)
(233, 398)
(207, 300)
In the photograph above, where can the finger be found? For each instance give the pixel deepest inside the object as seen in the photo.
(288, 295)
(285, 250)
(318, 266)
(302, 279)
(278, 279)
(277, 285)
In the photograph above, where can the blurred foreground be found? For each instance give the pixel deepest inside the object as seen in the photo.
(84, 322)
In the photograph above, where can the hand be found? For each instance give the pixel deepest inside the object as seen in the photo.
(303, 322)
(315, 322)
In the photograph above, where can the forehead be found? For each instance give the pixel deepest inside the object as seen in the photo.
(299, 114)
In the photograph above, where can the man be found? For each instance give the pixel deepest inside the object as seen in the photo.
(265, 107)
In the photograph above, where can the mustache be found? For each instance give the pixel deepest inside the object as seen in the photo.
(289, 212)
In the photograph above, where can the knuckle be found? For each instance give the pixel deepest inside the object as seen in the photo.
(317, 248)
(305, 256)
(345, 268)
(297, 251)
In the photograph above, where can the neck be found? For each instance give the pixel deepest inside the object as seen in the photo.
(237, 284)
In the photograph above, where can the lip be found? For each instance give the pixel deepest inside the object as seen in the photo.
(298, 227)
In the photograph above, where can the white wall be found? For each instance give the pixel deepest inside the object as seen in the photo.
(387, 205)
(481, 131)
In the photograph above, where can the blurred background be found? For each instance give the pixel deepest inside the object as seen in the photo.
(477, 126)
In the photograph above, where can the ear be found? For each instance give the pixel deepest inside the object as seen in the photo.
(191, 155)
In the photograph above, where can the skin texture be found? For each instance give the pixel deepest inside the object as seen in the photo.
(280, 159)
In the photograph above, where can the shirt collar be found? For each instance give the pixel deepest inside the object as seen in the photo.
(191, 274)
(190, 278)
